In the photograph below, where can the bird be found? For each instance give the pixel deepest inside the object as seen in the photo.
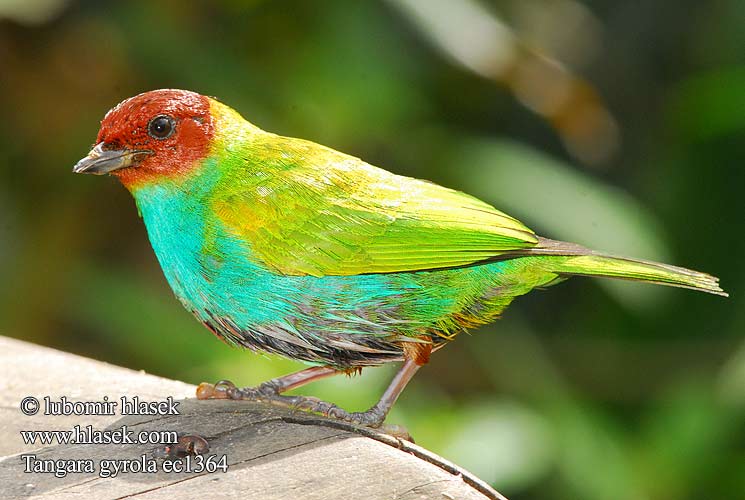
(285, 246)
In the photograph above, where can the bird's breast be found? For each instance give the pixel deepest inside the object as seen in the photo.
(206, 267)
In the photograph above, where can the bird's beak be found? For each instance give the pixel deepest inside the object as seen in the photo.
(103, 161)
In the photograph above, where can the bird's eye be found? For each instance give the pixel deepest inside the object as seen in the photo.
(161, 127)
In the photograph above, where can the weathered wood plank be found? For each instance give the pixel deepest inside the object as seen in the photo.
(271, 452)
(29, 369)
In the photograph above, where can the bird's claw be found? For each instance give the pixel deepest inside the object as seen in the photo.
(225, 389)
(370, 418)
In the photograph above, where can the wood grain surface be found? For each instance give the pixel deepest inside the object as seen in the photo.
(271, 452)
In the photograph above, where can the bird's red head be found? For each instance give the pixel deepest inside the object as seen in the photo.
(161, 133)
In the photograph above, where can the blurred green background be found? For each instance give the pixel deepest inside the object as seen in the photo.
(618, 125)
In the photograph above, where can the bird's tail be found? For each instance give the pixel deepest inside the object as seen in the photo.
(580, 261)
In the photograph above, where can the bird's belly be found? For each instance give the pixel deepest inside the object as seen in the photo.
(342, 321)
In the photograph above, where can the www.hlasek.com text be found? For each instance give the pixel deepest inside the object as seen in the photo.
(89, 435)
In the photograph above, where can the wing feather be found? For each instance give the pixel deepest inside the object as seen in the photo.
(306, 209)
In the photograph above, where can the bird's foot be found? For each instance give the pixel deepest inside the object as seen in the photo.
(268, 392)
(225, 389)
(371, 418)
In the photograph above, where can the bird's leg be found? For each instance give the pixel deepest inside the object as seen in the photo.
(374, 416)
(270, 389)
(415, 355)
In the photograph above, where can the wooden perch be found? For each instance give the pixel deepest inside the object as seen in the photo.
(271, 452)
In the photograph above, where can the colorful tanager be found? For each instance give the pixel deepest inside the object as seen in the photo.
(289, 247)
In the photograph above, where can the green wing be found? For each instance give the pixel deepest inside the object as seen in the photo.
(309, 210)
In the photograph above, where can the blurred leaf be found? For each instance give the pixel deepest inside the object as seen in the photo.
(479, 40)
(710, 104)
(567, 29)
(31, 11)
(465, 31)
(8, 231)
(592, 457)
(505, 444)
(684, 440)
(731, 379)
(352, 83)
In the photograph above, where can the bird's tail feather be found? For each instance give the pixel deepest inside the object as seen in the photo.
(581, 261)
